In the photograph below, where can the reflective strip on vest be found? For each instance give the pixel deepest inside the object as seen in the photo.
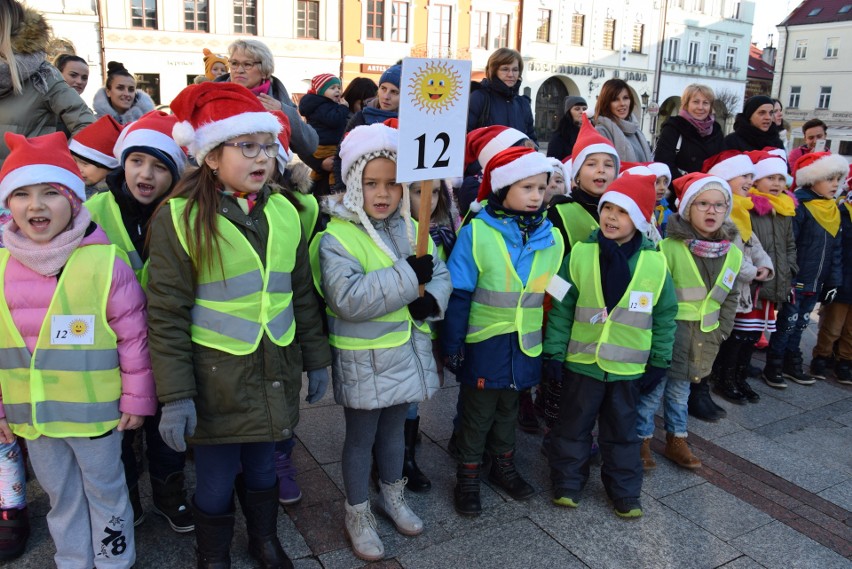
(237, 301)
(496, 311)
(694, 301)
(387, 331)
(579, 224)
(621, 343)
(64, 390)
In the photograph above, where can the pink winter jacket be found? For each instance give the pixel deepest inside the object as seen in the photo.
(28, 296)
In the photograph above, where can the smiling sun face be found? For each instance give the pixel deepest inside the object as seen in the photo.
(434, 88)
(78, 328)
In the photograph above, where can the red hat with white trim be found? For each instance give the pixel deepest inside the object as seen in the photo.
(152, 134)
(690, 186)
(660, 169)
(284, 154)
(589, 141)
(816, 166)
(634, 193)
(636, 169)
(39, 160)
(483, 143)
(766, 164)
(211, 113)
(728, 164)
(509, 166)
(95, 142)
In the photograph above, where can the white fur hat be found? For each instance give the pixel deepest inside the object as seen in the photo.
(816, 166)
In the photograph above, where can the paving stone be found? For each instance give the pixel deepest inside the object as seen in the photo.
(520, 541)
(789, 464)
(662, 538)
(713, 509)
(823, 442)
(768, 410)
(840, 494)
(777, 546)
(833, 412)
(844, 419)
(322, 430)
(712, 431)
(436, 414)
(668, 478)
(743, 562)
(803, 396)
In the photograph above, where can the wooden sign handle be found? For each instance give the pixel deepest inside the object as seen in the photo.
(423, 221)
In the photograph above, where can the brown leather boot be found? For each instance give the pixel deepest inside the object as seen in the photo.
(678, 452)
(648, 462)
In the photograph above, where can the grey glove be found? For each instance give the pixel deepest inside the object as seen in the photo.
(178, 422)
(317, 384)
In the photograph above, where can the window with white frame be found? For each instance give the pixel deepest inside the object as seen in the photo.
(195, 13)
(795, 96)
(692, 57)
(832, 46)
(245, 17)
(500, 33)
(713, 57)
(479, 29)
(731, 58)
(801, 49)
(673, 49)
(143, 14)
(440, 30)
(638, 37)
(608, 38)
(399, 21)
(824, 98)
(542, 29)
(578, 22)
(307, 19)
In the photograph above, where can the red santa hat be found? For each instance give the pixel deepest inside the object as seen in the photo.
(39, 160)
(690, 186)
(556, 165)
(660, 170)
(779, 152)
(816, 166)
(766, 164)
(321, 82)
(728, 164)
(284, 154)
(589, 141)
(483, 143)
(507, 167)
(152, 134)
(636, 169)
(567, 166)
(95, 142)
(212, 113)
(634, 193)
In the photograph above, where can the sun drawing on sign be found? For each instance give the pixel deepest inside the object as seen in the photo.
(435, 88)
(78, 328)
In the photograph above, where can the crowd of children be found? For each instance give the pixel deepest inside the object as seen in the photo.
(169, 279)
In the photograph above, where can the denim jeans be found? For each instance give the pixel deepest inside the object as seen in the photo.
(793, 319)
(216, 468)
(674, 394)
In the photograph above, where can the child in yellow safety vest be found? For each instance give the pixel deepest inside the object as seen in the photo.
(75, 366)
(229, 286)
(609, 338)
(491, 338)
(703, 251)
(378, 324)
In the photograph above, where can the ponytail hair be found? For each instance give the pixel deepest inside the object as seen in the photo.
(115, 69)
(11, 16)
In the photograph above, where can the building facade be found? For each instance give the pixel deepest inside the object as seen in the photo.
(813, 70)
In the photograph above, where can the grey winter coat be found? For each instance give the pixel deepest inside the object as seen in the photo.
(627, 138)
(694, 351)
(142, 104)
(375, 379)
(754, 257)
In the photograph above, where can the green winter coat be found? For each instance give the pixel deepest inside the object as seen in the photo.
(238, 399)
(560, 320)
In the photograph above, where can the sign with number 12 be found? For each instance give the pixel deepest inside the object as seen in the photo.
(432, 118)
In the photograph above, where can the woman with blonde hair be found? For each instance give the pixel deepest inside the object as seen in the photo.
(615, 121)
(498, 101)
(692, 136)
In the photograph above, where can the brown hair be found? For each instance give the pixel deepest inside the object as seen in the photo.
(116, 69)
(609, 93)
(503, 56)
(814, 123)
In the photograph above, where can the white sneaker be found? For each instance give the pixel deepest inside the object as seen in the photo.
(361, 531)
(391, 503)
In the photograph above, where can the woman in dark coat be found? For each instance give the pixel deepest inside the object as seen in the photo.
(692, 136)
(497, 101)
(562, 142)
(754, 128)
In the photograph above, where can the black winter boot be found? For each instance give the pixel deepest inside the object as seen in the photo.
(726, 385)
(466, 493)
(793, 371)
(136, 504)
(260, 508)
(741, 379)
(213, 536)
(417, 481)
(772, 371)
(699, 404)
(170, 502)
(504, 475)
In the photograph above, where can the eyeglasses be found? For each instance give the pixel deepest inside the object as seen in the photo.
(245, 65)
(252, 149)
(718, 207)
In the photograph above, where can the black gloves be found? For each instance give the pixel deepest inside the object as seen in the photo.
(552, 371)
(422, 267)
(423, 307)
(650, 379)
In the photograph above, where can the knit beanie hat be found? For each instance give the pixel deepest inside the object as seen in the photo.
(816, 166)
(212, 113)
(95, 143)
(572, 101)
(754, 103)
(728, 165)
(321, 82)
(39, 160)
(634, 193)
(392, 74)
(211, 59)
(481, 144)
(152, 135)
(766, 164)
(361, 145)
(507, 167)
(589, 141)
(692, 185)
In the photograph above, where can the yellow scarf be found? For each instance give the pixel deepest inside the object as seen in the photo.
(782, 203)
(741, 217)
(826, 213)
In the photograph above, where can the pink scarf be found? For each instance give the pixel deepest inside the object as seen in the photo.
(46, 259)
(704, 127)
(264, 88)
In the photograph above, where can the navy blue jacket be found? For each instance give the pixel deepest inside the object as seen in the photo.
(844, 294)
(327, 117)
(817, 252)
(507, 108)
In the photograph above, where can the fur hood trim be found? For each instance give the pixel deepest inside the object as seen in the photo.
(299, 176)
(33, 34)
(142, 104)
(680, 229)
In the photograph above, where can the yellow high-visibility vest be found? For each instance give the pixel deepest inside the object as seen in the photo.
(578, 223)
(106, 213)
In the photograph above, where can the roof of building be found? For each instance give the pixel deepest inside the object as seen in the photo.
(819, 12)
(757, 68)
